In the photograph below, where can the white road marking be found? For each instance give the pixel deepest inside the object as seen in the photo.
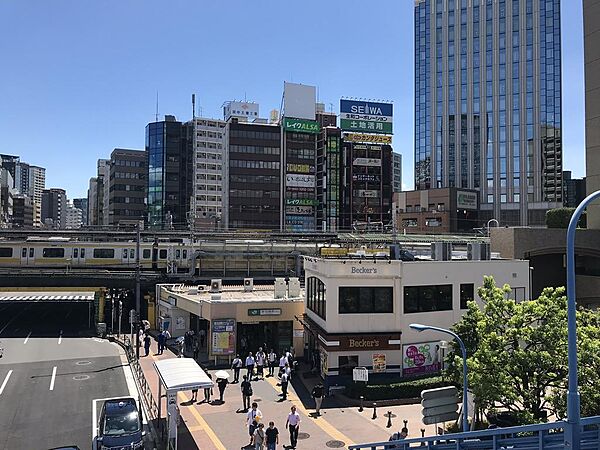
(27, 338)
(52, 379)
(60, 337)
(5, 381)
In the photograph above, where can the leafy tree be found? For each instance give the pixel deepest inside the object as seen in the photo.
(517, 353)
(560, 217)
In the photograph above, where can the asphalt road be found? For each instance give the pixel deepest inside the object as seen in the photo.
(49, 376)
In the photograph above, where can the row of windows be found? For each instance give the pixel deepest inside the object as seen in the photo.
(128, 163)
(255, 149)
(129, 175)
(127, 187)
(133, 200)
(265, 135)
(301, 153)
(272, 165)
(100, 253)
(252, 193)
(259, 179)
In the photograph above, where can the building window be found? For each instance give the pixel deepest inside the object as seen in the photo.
(162, 254)
(517, 294)
(347, 363)
(427, 298)
(366, 300)
(466, 294)
(315, 298)
(146, 253)
(7, 252)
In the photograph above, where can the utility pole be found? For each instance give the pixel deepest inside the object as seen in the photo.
(137, 290)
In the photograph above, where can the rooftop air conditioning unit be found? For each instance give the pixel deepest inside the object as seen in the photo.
(202, 288)
(216, 285)
(478, 251)
(441, 251)
(248, 284)
(280, 288)
(294, 288)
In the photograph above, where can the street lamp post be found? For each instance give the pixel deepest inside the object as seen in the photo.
(573, 408)
(419, 328)
(488, 225)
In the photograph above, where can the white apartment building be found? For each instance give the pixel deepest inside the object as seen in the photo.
(358, 311)
(73, 217)
(209, 145)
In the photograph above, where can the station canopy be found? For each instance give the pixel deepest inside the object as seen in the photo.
(181, 374)
(53, 296)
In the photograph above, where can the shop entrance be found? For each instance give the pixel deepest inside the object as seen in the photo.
(200, 326)
(275, 335)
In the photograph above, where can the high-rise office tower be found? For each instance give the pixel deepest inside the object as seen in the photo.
(488, 103)
(127, 187)
(591, 31)
(54, 204)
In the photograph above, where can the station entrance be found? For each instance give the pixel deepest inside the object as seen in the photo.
(276, 335)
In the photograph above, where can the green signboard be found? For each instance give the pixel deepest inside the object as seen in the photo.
(366, 126)
(301, 125)
(264, 312)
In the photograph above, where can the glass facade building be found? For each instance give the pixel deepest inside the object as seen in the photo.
(170, 173)
(488, 103)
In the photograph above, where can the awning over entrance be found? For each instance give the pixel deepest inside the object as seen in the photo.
(181, 374)
(46, 296)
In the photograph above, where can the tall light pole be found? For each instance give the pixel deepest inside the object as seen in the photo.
(419, 328)
(488, 225)
(137, 288)
(573, 410)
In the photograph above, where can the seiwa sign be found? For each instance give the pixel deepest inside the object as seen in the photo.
(365, 108)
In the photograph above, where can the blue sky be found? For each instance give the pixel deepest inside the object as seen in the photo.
(78, 78)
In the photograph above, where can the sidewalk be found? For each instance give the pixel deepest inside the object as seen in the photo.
(217, 426)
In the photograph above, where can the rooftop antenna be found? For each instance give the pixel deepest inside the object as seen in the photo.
(193, 106)
(156, 117)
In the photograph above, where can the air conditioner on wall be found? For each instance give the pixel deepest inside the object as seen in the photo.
(280, 288)
(248, 284)
(216, 285)
(294, 287)
(441, 251)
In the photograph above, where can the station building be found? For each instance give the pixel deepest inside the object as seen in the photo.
(358, 311)
(235, 319)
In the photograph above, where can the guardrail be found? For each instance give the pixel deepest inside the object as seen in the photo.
(546, 436)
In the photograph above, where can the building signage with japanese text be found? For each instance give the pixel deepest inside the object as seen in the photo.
(374, 162)
(301, 125)
(367, 193)
(466, 200)
(372, 138)
(379, 362)
(419, 359)
(223, 336)
(365, 116)
(366, 178)
(304, 181)
(300, 168)
(264, 312)
(302, 210)
(301, 201)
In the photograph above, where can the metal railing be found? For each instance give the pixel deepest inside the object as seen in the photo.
(547, 436)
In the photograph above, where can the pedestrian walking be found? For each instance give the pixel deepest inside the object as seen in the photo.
(259, 437)
(288, 370)
(261, 358)
(272, 434)
(284, 385)
(252, 420)
(208, 391)
(161, 342)
(147, 344)
(196, 349)
(246, 388)
(282, 363)
(202, 334)
(317, 394)
(250, 366)
(222, 384)
(236, 366)
(272, 359)
(293, 424)
(397, 436)
(194, 395)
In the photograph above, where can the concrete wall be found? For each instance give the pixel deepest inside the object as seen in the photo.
(591, 26)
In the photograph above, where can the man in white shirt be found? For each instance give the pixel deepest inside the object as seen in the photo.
(236, 365)
(250, 366)
(282, 363)
(272, 357)
(260, 363)
(293, 424)
(252, 418)
(284, 384)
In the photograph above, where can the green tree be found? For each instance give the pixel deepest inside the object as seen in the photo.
(517, 353)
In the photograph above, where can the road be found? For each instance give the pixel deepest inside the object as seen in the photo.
(50, 374)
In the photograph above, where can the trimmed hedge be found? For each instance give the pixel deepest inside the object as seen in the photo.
(409, 388)
(560, 217)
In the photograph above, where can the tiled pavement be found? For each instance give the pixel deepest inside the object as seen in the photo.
(222, 426)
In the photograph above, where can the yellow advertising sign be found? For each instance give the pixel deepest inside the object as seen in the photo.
(373, 138)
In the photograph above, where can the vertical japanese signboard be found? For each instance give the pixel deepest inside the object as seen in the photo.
(366, 117)
(223, 336)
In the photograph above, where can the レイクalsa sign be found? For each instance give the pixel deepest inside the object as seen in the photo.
(301, 125)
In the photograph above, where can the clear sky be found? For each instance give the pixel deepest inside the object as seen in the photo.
(79, 78)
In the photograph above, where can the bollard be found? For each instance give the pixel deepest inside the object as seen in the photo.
(389, 423)
(374, 411)
(361, 404)
(422, 435)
